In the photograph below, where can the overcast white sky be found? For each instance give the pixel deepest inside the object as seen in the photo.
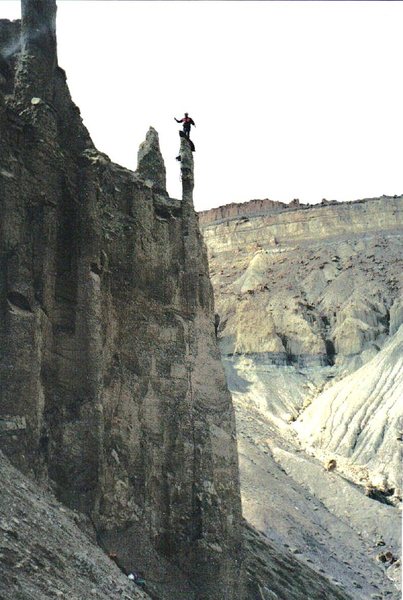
(290, 99)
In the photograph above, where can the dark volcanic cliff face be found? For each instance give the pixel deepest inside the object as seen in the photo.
(112, 386)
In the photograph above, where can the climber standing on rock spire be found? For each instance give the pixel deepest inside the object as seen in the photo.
(187, 123)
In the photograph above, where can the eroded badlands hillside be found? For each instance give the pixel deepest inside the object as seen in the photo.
(316, 286)
(307, 285)
(310, 309)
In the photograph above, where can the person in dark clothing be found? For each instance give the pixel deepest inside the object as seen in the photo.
(187, 123)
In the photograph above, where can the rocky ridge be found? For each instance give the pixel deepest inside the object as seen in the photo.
(265, 208)
(241, 209)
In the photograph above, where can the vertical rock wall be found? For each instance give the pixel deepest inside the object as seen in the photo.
(112, 386)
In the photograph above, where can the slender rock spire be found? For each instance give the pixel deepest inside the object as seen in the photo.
(187, 171)
(150, 163)
(38, 58)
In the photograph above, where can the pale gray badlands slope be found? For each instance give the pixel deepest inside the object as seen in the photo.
(357, 419)
(309, 299)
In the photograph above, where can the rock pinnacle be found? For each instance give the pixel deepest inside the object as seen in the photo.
(150, 164)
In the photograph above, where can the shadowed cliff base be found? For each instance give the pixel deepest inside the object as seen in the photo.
(64, 561)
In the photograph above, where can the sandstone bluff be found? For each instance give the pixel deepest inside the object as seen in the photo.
(114, 407)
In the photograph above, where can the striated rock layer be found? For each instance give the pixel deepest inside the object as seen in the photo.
(253, 208)
(311, 285)
(112, 387)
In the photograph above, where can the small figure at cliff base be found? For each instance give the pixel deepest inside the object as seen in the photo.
(137, 579)
(216, 323)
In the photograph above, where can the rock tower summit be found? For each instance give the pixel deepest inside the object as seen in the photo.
(187, 171)
(150, 163)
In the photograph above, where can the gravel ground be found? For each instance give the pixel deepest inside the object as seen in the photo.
(44, 554)
(316, 516)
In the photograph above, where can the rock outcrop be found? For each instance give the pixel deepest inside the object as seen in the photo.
(150, 164)
(112, 388)
(242, 210)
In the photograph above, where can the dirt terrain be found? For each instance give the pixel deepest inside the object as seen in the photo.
(309, 305)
